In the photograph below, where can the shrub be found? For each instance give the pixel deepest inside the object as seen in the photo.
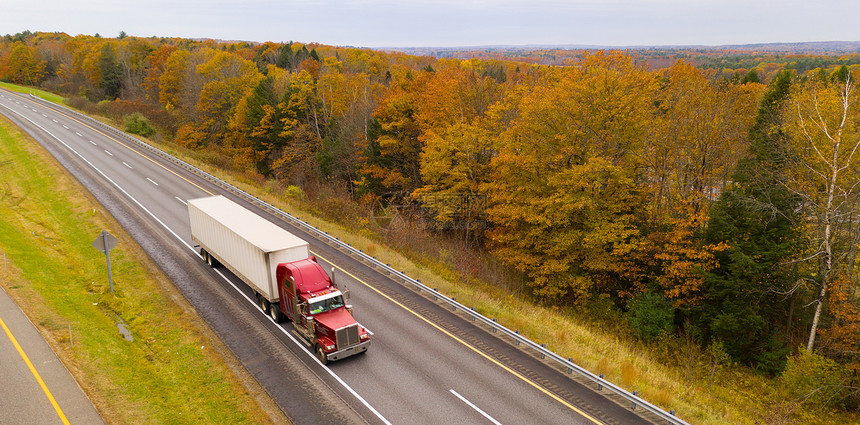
(651, 315)
(136, 123)
(294, 192)
(813, 378)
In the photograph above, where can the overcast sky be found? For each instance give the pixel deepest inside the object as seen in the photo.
(446, 23)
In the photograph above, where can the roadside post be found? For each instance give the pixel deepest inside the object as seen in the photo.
(104, 243)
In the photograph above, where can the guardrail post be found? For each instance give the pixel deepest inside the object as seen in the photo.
(600, 385)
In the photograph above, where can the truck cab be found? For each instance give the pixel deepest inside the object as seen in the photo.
(318, 311)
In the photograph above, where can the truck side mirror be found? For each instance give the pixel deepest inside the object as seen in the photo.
(333, 283)
(346, 294)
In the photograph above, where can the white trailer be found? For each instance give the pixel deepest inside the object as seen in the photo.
(247, 244)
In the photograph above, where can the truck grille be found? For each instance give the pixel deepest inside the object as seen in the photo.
(347, 336)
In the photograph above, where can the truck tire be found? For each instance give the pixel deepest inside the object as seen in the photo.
(321, 355)
(263, 304)
(208, 258)
(275, 313)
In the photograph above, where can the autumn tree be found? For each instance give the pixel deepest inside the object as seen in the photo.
(457, 146)
(564, 203)
(390, 153)
(133, 59)
(823, 137)
(698, 134)
(23, 66)
(157, 65)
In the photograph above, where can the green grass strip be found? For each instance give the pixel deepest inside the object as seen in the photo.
(167, 374)
(34, 91)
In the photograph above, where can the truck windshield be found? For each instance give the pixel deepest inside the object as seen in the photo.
(326, 305)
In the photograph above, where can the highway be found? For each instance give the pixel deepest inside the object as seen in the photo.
(426, 365)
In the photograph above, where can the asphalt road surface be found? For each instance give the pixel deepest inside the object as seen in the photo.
(425, 365)
(35, 387)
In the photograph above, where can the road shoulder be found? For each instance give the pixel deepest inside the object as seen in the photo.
(24, 399)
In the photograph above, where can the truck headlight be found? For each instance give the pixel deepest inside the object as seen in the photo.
(364, 336)
(329, 347)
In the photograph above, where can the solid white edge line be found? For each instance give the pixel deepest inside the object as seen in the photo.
(326, 368)
(477, 409)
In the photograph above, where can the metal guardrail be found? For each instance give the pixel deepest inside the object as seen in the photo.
(632, 398)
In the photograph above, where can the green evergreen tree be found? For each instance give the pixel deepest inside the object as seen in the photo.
(745, 298)
(285, 57)
(262, 96)
(111, 71)
(751, 77)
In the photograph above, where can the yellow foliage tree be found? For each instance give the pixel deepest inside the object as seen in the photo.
(563, 195)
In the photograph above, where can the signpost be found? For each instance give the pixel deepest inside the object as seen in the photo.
(104, 243)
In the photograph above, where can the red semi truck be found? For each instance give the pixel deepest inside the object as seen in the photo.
(288, 282)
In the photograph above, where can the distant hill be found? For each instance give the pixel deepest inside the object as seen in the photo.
(510, 51)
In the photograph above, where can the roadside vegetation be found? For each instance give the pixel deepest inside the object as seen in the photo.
(174, 370)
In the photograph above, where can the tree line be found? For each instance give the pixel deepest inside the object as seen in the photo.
(718, 204)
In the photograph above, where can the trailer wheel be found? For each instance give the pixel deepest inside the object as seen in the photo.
(321, 355)
(275, 312)
(263, 303)
(209, 259)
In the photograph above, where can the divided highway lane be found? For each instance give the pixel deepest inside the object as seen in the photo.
(425, 365)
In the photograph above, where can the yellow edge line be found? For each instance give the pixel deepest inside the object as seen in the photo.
(36, 374)
(121, 143)
(469, 346)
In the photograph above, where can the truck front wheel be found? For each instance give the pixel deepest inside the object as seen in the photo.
(321, 355)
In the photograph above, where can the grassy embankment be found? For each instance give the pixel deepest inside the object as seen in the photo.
(175, 370)
(674, 374)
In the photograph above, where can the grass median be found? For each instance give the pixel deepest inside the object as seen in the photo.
(174, 370)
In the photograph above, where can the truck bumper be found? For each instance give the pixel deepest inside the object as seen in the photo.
(346, 352)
